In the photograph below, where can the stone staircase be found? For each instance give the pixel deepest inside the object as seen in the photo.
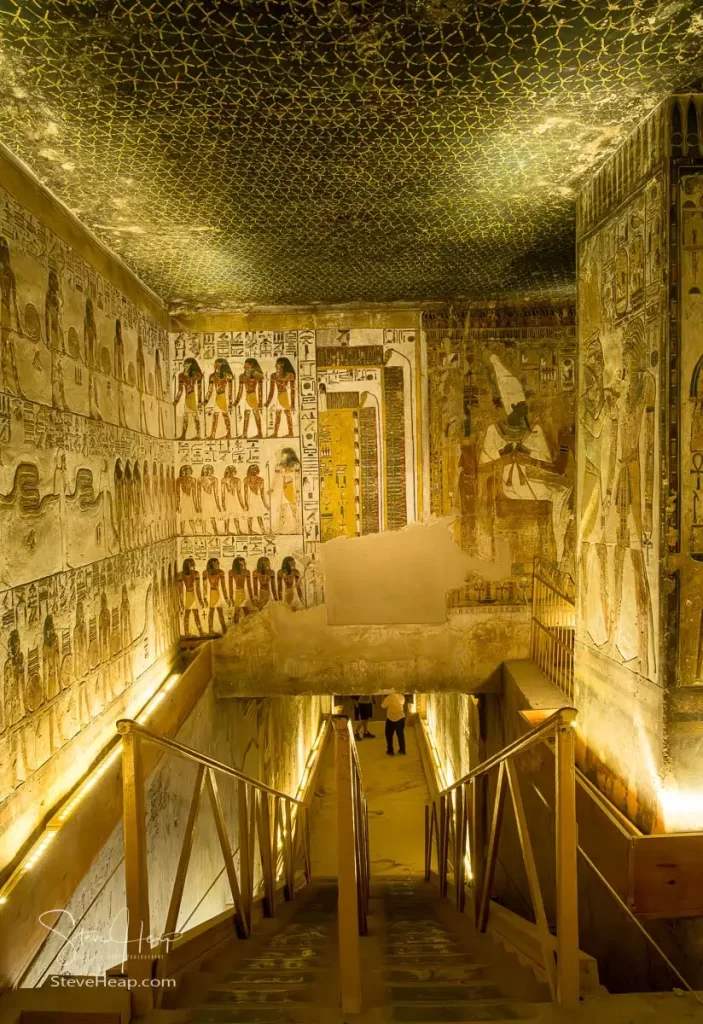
(414, 968)
(427, 974)
(289, 977)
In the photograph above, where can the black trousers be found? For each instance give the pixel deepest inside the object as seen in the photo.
(397, 729)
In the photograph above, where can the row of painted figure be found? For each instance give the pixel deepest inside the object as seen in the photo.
(206, 500)
(251, 390)
(240, 589)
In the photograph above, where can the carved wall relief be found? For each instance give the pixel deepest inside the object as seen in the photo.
(691, 430)
(620, 309)
(88, 600)
(287, 439)
(247, 482)
(507, 404)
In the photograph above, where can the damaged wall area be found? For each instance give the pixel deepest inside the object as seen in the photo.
(277, 651)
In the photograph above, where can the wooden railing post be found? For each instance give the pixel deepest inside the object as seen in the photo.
(428, 842)
(568, 981)
(266, 852)
(306, 844)
(459, 848)
(348, 908)
(139, 963)
(477, 836)
(244, 859)
(443, 843)
(288, 852)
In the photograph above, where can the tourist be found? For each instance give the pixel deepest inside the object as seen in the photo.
(364, 706)
(394, 704)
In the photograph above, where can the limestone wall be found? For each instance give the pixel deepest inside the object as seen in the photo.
(87, 512)
(453, 722)
(639, 610)
(269, 739)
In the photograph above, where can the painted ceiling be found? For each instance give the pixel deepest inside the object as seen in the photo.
(295, 151)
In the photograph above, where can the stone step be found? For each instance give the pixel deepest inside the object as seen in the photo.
(254, 1015)
(265, 977)
(461, 974)
(254, 996)
(288, 963)
(424, 930)
(463, 1014)
(443, 993)
(419, 948)
(425, 957)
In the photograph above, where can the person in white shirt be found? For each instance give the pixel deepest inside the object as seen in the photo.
(394, 704)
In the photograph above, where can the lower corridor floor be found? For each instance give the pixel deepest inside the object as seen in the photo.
(396, 793)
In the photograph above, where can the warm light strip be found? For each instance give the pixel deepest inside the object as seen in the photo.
(435, 754)
(438, 766)
(49, 834)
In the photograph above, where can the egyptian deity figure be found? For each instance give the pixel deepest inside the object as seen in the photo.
(290, 589)
(222, 383)
(214, 584)
(208, 496)
(10, 323)
(190, 383)
(119, 372)
(264, 583)
(256, 500)
(283, 385)
(232, 500)
(632, 487)
(241, 596)
(189, 581)
(187, 500)
(251, 384)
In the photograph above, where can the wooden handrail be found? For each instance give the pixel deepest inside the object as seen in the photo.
(126, 726)
(353, 856)
(274, 821)
(457, 821)
(564, 716)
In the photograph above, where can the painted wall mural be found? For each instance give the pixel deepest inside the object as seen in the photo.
(620, 669)
(621, 330)
(690, 633)
(88, 599)
(247, 480)
(501, 440)
(286, 439)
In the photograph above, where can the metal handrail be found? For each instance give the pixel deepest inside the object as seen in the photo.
(565, 715)
(128, 725)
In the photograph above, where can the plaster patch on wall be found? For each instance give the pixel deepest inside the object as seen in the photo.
(399, 577)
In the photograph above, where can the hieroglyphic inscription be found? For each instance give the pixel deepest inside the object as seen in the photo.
(396, 498)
